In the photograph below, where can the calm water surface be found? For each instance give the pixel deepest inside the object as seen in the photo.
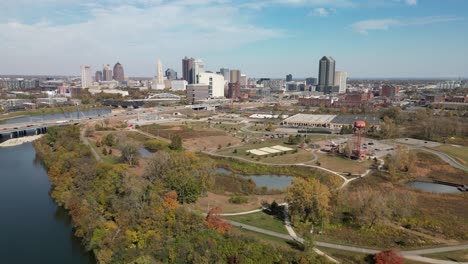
(269, 181)
(71, 115)
(33, 229)
(432, 187)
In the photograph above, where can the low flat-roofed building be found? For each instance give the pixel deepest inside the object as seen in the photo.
(307, 120)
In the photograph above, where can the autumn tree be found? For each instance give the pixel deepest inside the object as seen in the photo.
(215, 221)
(388, 257)
(309, 200)
(130, 152)
(176, 142)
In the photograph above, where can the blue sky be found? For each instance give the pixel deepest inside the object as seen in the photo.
(367, 38)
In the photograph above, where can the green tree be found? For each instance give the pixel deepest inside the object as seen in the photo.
(109, 140)
(176, 142)
(309, 200)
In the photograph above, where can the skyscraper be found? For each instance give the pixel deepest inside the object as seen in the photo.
(289, 77)
(226, 73)
(98, 76)
(326, 72)
(187, 69)
(340, 81)
(198, 67)
(119, 72)
(86, 79)
(106, 73)
(235, 76)
(159, 73)
(171, 74)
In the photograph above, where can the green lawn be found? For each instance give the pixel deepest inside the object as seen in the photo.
(342, 164)
(260, 220)
(459, 153)
(457, 256)
(276, 241)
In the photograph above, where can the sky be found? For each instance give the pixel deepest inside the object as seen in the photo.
(264, 38)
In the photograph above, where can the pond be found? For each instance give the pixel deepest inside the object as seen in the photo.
(145, 153)
(432, 187)
(269, 181)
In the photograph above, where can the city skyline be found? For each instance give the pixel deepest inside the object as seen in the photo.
(369, 39)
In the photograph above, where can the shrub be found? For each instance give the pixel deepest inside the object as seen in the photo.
(238, 199)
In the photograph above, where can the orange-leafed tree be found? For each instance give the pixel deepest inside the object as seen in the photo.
(170, 200)
(388, 257)
(215, 221)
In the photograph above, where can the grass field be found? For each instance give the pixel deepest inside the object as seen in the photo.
(260, 220)
(342, 164)
(457, 256)
(460, 153)
(276, 241)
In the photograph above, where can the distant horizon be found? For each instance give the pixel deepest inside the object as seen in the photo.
(294, 78)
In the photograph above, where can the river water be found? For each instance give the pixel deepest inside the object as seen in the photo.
(33, 229)
(71, 115)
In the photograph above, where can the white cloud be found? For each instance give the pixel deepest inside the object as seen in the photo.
(320, 11)
(363, 27)
(411, 2)
(135, 35)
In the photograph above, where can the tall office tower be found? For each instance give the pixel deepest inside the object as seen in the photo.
(235, 76)
(289, 78)
(159, 78)
(187, 69)
(119, 72)
(171, 74)
(326, 74)
(226, 73)
(98, 76)
(198, 67)
(86, 79)
(340, 81)
(106, 73)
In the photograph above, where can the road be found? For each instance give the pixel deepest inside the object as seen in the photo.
(410, 254)
(85, 140)
(444, 157)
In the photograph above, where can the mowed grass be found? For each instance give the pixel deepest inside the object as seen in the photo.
(343, 164)
(260, 220)
(460, 153)
(457, 256)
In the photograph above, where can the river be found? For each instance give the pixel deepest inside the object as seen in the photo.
(70, 115)
(33, 228)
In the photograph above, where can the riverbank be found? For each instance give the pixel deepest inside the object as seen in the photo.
(18, 141)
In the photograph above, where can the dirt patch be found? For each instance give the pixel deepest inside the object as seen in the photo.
(222, 201)
(210, 142)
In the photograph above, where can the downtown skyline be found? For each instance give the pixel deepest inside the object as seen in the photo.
(368, 39)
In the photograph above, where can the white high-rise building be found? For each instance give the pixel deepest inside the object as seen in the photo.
(215, 83)
(198, 67)
(86, 78)
(106, 72)
(159, 73)
(243, 80)
(158, 81)
(341, 78)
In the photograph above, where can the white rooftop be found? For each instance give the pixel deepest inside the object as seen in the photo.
(308, 118)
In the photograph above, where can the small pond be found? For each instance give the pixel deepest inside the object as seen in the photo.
(145, 153)
(432, 187)
(269, 181)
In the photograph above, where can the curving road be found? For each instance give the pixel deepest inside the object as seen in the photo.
(409, 254)
(453, 162)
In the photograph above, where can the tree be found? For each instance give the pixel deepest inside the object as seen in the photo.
(309, 200)
(388, 128)
(109, 140)
(104, 151)
(215, 221)
(176, 142)
(388, 257)
(130, 152)
(157, 166)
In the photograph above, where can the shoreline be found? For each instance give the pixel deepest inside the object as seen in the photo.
(18, 141)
